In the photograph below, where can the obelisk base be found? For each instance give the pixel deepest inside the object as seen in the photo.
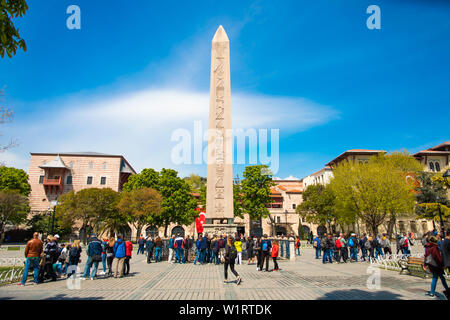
(220, 227)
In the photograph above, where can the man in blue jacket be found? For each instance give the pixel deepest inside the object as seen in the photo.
(316, 245)
(119, 256)
(94, 253)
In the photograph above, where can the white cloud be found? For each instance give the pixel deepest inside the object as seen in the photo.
(139, 124)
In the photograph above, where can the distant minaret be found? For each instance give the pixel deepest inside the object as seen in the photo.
(219, 202)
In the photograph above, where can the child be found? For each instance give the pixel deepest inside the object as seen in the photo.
(275, 249)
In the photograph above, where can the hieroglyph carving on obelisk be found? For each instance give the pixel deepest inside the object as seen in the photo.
(219, 202)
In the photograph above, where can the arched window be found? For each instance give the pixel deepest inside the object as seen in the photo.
(431, 166)
(91, 165)
(437, 166)
(178, 230)
(104, 165)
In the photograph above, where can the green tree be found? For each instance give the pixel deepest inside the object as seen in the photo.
(318, 206)
(91, 207)
(373, 191)
(431, 196)
(142, 207)
(178, 204)
(148, 178)
(9, 35)
(13, 209)
(41, 223)
(14, 179)
(253, 194)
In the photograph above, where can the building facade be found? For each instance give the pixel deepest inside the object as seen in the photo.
(50, 175)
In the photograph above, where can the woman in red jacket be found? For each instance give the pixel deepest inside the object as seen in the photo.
(433, 260)
(275, 249)
(128, 251)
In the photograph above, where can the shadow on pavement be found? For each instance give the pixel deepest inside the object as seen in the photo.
(65, 297)
(355, 294)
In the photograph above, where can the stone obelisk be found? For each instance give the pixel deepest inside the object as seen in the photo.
(219, 201)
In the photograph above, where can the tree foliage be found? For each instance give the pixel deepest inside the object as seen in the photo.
(92, 207)
(141, 207)
(14, 179)
(432, 196)
(375, 191)
(253, 194)
(13, 209)
(178, 204)
(9, 35)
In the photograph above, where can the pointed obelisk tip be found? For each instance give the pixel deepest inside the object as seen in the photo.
(220, 35)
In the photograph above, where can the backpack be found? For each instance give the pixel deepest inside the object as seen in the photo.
(316, 244)
(338, 244)
(233, 252)
(73, 253)
(367, 244)
(430, 260)
(265, 246)
(351, 243)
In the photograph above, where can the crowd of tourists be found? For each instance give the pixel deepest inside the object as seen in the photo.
(50, 260)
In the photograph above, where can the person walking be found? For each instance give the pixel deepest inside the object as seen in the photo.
(158, 246)
(171, 248)
(230, 257)
(266, 246)
(33, 251)
(238, 245)
(149, 244)
(433, 261)
(275, 249)
(316, 246)
(141, 245)
(74, 258)
(119, 257)
(94, 253)
(128, 252)
(109, 251)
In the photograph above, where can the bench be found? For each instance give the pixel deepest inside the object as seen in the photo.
(413, 266)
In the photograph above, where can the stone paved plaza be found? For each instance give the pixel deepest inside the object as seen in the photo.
(306, 278)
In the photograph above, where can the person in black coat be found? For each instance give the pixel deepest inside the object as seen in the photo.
(149, 245)
(230, 256)
(187, 247)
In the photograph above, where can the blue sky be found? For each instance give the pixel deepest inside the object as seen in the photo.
(138, 70)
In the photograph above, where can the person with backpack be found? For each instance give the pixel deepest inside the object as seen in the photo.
(74, 258)
(370, 247)
(158, 246)
(316, 245)
(149, 244)
(238, 245)
(128, 252)
(377, 245)
(353, 244)
(51, 255)
(433, 261)
(104, 243)
(94, 253)
(230, 257)
(328, 247)
(337, 249)
(266, 246)
(120, 253)
(275, 250)
(297, 245)
(109, 251)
